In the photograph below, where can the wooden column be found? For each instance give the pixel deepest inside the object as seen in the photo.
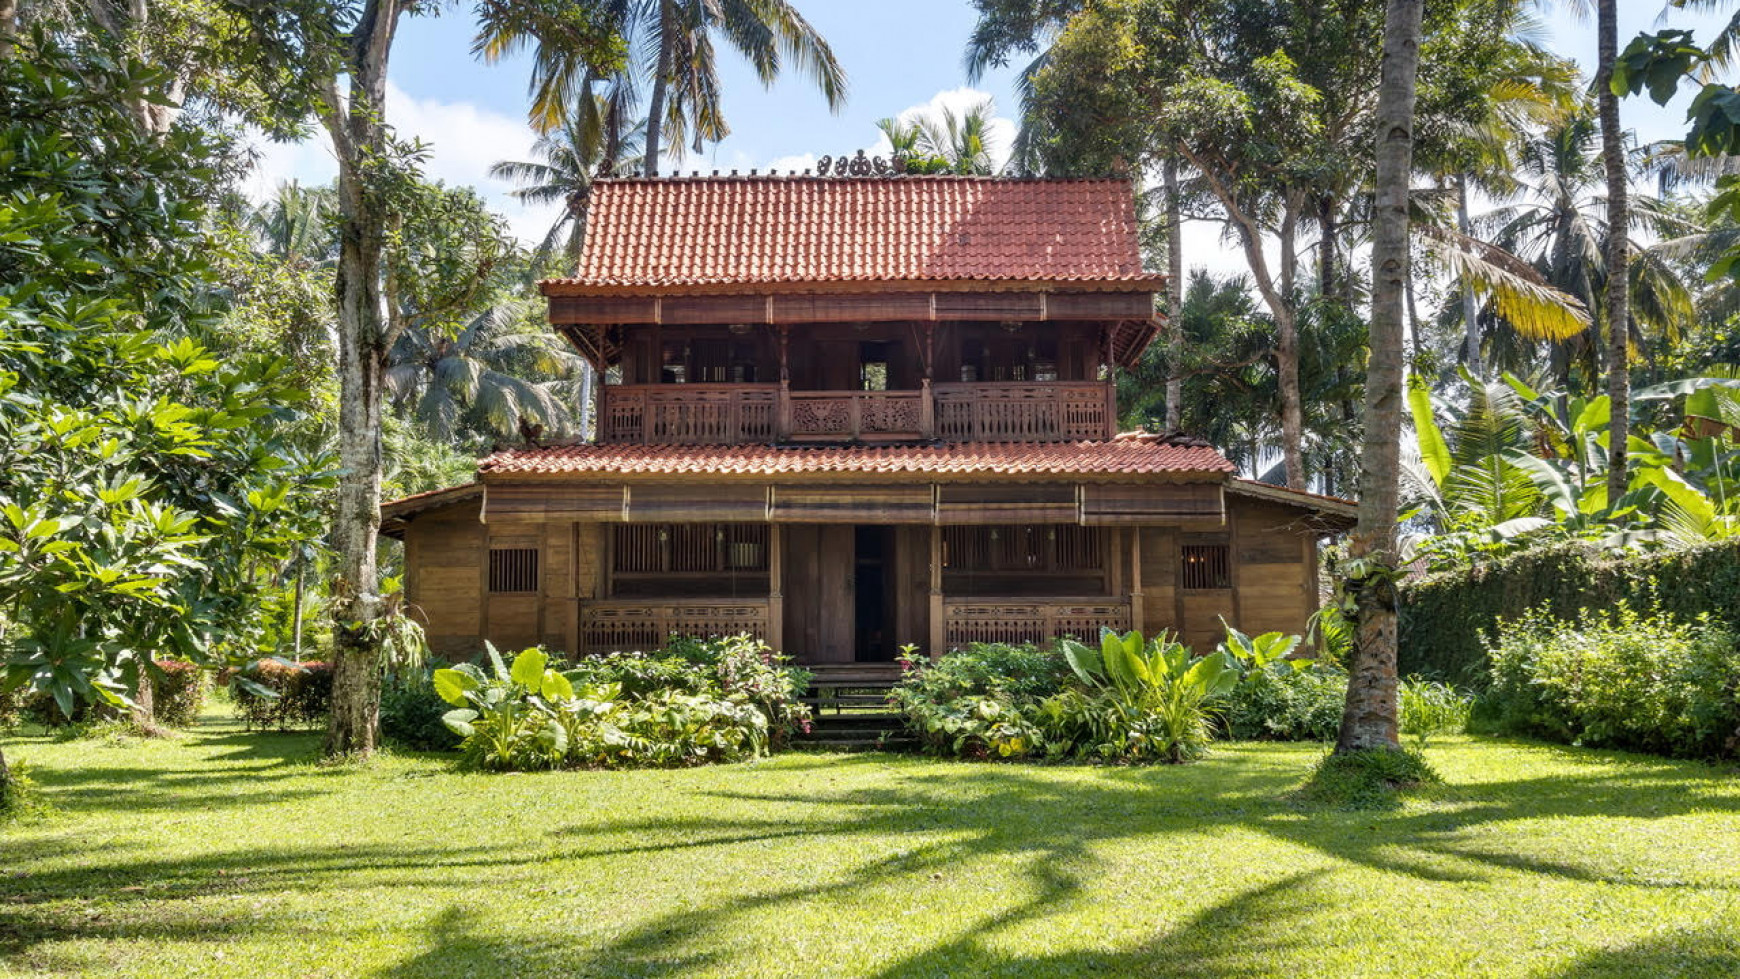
(782, 415)
(1136, 578)
(775, 587)
(927, 406)
(938, 627)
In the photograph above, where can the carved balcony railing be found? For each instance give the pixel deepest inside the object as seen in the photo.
(1027, 620)
(847, 415)
(1057, 411)
(627, 624)
(690, 414)
(723, 414)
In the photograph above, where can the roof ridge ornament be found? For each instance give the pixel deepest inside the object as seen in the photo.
(860, 166)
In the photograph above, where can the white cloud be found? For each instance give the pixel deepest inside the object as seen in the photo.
(464, 141)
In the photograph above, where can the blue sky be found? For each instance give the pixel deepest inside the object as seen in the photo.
(900, 56)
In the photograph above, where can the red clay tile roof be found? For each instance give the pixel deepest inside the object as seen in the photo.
(1124, 457)
(720, 231)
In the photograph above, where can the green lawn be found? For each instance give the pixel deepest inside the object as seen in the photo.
(229, 854)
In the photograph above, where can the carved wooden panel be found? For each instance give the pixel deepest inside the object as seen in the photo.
(630, 625)
(1029, 621)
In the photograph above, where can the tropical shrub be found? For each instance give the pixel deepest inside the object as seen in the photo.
(722, 700)
(1159, 695)
(177, 693)
(1449, 621)
(1129, 699)
(1627, 680)
(1299, 705)
(276, 693)
(411, 713)
(11, 711)
(1428, 707)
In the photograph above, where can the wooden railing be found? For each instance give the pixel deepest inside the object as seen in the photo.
(690, 414)
(723, 414)
(1069, 411)
(1019, 620)
(626, 624)
(843, 415)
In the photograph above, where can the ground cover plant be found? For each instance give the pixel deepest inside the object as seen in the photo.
(227, 853)
(695, 702)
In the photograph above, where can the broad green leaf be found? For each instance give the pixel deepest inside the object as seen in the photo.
(451, 685)
(1433, 451)
(556, 686)
(1596, 415)
(528, 668)
(459, 722)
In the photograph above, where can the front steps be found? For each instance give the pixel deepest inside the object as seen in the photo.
(852, 713)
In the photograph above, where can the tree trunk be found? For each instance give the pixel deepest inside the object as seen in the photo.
(1327, 229)
(1174, 297)
(1470, 308)
(1369, 720)
(359, 133)
(1287, 357)
(296, 614)
(356, 652)
(144, 711)
(8, 30)
(1618, 241)
(655, 109)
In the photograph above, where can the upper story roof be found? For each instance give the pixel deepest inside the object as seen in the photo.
(766, 234)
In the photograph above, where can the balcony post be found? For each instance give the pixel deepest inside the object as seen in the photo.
(775, 588)
(926, 410)
(1136, 578)
(782, 415)
(938, 625)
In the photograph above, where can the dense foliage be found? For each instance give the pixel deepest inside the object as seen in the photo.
(1449, 619)
(146, 482)
(1643, 681)
(694, 703)
(1126, 700)
(277, 694)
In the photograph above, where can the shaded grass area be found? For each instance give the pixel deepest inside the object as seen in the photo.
(224, 853)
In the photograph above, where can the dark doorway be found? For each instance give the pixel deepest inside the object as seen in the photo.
(873, 637)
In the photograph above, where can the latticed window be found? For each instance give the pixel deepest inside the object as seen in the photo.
(1205, 566)
(1047, 548)
(513, 569)
(690, 548)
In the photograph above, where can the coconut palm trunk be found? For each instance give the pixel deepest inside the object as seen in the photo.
(1369, 720)
(1618, 279)
(655, 114)
(1470, 304)
(1174, 296)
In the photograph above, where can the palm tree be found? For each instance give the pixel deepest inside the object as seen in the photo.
(1560, 226)
(568, 159)
(483, 372)
(957, 142)
(1369, 720)
(1613, 158)
(294, 225)
(670, 47)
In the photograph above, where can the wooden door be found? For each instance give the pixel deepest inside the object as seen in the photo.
(818, 592)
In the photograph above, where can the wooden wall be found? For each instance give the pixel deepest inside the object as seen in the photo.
(444, 566)
(1273, 579)
(1273, 575)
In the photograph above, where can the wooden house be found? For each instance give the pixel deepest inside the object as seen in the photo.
(848, 413)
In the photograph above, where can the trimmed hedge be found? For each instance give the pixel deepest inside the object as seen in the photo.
(1448, 619)
(304, 694)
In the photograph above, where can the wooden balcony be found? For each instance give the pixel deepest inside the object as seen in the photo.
(724, 414)
(646, 624)
(1059, 411)
(1029, 620)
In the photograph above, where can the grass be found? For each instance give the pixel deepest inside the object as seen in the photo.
(230, 854)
